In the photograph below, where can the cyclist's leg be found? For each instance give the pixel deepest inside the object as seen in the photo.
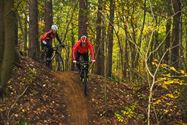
(86, 59)
(77, 59)
(50, 51)
(43, 54)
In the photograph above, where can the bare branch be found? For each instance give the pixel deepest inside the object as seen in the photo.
(8, 114)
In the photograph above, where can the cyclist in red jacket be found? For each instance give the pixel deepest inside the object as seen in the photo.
(81, 48)
(46, 39)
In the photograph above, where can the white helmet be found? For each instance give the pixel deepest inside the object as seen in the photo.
(83, 38)
(54, 27)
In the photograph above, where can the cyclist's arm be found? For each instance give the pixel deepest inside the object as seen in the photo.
(75, 47)
(90, 46)
(58, 38)
(45, 36)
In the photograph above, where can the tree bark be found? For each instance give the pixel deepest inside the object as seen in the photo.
(33, 29)
(72, 42)
(25, 33)
(125, 55)
(102, 48)
(168, 41)
(110, 38)
(48, 14)
(99, 42)
(83, 20)
(186, 48)
(1, 32)
(10, 26)
(1, 42)
(184, 91)
(175, 34)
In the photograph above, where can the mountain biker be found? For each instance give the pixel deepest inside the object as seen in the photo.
(81, 48)
(46, 39)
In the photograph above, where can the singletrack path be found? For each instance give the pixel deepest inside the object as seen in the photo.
(74, 98)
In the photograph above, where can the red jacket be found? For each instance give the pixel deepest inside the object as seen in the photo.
(48, 36)
(80, 49)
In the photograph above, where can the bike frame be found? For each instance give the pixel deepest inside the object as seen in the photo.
(56, 53)
(84, 71)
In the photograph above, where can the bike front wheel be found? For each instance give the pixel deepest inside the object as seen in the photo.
(85, 80)
(59, 63)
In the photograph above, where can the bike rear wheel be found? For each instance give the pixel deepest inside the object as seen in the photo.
(59, 63)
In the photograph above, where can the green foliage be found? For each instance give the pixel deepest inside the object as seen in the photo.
(169, 81)
(126, 113)
(23, 122)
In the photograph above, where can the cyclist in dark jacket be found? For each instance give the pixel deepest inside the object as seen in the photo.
(46, 39)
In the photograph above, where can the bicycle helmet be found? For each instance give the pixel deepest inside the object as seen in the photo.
(83, 39)
(54, 27)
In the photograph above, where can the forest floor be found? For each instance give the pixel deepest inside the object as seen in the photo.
(38, 96)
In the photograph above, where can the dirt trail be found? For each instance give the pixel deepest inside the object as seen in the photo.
(75, 100)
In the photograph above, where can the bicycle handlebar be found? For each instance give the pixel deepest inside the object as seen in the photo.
(85, 62)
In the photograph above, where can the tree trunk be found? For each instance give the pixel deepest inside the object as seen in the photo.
(72, 42)
(10, 26)
(175, 38)
(33, 29)
(110, 38)
(1, 42)
(184, 91)
(125, 65)
(186, 48)
(99, 42)
(1, 32)
(102, 48)
(25, 33)
(104, 38)
(125, 55)
(48, 14)
(83, 21)
(167, 46)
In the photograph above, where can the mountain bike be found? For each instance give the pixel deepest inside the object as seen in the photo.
(56, 55)
(84, 75)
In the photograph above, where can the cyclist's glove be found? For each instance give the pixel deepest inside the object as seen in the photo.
(93, 61)
(44, 42)
(74, 61)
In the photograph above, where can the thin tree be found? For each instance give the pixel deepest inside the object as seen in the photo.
(25, 33)
(168, 32)
(99, 42)
(110, 38)
(48, 14)
(72, 41)
(25, 30)
(1, 32)
(33, 29)
(186, 47)
(175, 33)
(1, 41)
(83, 19)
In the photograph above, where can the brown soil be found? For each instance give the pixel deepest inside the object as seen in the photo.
(37, 96)
(73, 96)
